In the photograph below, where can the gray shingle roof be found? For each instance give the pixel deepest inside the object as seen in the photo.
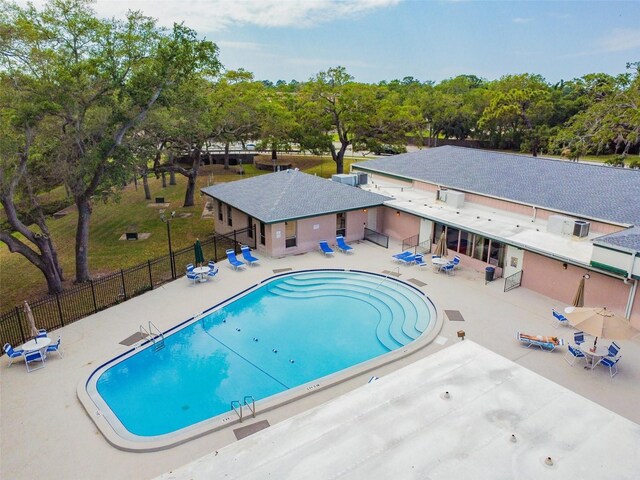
(291, 194)
(588, 190)
(581, 189)
(628, 239)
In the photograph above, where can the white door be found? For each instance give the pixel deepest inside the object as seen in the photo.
(372, 219)
(512, 260)
(425, 230)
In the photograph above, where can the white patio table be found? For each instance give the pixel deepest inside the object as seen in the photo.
(202, 272)
(33, 345)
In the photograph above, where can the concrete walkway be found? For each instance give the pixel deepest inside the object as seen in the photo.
(47, 433)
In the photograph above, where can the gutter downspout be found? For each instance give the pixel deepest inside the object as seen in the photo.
(634, 288)
(535, 212)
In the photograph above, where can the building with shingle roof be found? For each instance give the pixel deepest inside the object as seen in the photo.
(290, 211)
(543, 223)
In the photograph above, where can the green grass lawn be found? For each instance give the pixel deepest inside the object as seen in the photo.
(20, 280)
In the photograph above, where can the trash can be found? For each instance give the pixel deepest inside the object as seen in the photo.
(488, 274)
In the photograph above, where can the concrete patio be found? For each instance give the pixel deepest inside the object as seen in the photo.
(46, 432)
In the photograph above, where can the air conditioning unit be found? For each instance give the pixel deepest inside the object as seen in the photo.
(363, 178)
(345, 178)
(560, 225)
(442, 194)
(455, 199)
(581, 228)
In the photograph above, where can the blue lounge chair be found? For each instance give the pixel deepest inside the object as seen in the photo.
(456, 261)
(544, 343)
(572, 355)
(42, 333)
(559, 318)
(11, 353)
(189, 267)
(612, 363)
(342, 246)
(233, 261)
(399, 256)
(55, 347)
(578, 337)
(32, 357)
(325, 248)
(411, 259)
(246, 254)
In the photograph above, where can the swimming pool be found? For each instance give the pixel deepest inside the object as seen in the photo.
(288, 332)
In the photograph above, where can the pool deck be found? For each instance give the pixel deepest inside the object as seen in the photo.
(47, 433)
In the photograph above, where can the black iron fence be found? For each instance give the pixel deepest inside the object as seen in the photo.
(513, 281)
(55, 311)
(376, 237)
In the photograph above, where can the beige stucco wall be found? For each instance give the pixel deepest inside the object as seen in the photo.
(548, 277)
(399, 226)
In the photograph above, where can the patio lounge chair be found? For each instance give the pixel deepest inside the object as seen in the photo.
(246, 254)
(411, 259)
(578, 337)
(559, 318)
(55, 347)
(233, 261)
(11, 353)
(456, 261)
(189, 267)
(398, 256)
(572, 355)
(32, 357)
(325, 248)
(544, 343)
(342, 246)
(612, 363)
(42, 333)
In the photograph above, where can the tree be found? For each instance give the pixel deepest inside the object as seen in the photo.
(22, 134)
(102, 77)
(331, 104)
(520, 106)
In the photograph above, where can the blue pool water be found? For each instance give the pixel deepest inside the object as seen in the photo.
(289, 331)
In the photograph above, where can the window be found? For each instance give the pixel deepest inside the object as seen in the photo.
(262, 234)
(496, 253)
(452, 238)
(250, 226)
(229, 216)
(438, 228)
(465, 246)
(341, 223)
(220, 215)
(290, 234)
(480, 248)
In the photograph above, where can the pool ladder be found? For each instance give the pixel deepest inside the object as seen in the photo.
(384, 279)
(156, 338)
(249, 402)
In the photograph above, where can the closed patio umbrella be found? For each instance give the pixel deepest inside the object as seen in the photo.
(441, 246)
(198, 252)
(30, 320)
(578, 300)
(600, 322)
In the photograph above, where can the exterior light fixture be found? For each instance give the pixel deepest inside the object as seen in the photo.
(364, 210)
(397, 213)
(586, 276)
(564, 265)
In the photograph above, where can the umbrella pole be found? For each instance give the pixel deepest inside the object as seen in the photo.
(594, 343)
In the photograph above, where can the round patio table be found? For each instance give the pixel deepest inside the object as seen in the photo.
(202, 272)
(593, 358)
(32, 345)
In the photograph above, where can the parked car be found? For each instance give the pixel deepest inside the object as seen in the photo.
(389, 150)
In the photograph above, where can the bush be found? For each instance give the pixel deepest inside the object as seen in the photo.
(635, 163)
(617, 161)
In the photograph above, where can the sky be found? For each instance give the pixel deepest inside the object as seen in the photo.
(433, 40)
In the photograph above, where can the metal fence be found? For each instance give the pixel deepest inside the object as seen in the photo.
(513, 281)
(376, 237)
(55, 311)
